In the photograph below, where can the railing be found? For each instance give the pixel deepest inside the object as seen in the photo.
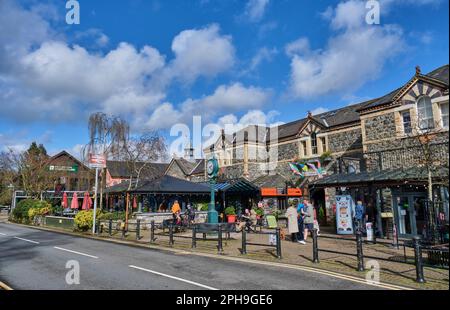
(416, 244)
(276, 244)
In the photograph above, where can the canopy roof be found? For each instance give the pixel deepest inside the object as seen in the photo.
(413, 174)
(165, 184)
(240, 185)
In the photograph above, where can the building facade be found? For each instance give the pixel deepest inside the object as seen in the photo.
(407, 128)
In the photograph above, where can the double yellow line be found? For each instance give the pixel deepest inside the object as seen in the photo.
(5, 287)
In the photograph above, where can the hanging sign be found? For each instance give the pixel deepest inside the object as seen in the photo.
(344, 223)
(97, 161)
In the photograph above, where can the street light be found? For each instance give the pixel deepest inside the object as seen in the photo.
(212, 167)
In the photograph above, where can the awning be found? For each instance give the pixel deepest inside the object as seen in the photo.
(393, 176)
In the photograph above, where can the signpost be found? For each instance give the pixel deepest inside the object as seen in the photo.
(96, 162)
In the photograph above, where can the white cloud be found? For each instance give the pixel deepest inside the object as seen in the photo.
(201, 52)
(231, 123)
(233, 97)
(255, 9)
(319, 110)
(299, 46)
(356, 54)
(264, 54)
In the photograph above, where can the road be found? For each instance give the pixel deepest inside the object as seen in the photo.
(32, 259)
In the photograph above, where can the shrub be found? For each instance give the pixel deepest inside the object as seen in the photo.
(27, 209)
(259, 212)
(276, 213)
(83, 219)
(230, 211)
(203, 207)
(112, 216)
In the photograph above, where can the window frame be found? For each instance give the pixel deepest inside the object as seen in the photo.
(419, 120)
(315, 146)
(442, 115)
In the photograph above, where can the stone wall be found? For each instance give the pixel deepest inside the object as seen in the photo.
(345, 141)
(405, 153)
(287, 151)
(380, 127)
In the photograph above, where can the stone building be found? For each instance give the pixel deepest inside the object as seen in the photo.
(382, 134)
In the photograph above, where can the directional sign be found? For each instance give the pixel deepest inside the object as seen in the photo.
(97, 161)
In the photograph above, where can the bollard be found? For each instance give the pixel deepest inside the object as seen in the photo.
(194, 237)
(315, 248)
(219, 239)
(204, 236)
(171, 234)
(278, 237)
(244, 242)
(110, 227)
(138, 229)
(359, 250)
(418, 260)
(152, 231)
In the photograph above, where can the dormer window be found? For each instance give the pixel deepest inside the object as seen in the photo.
(425, 113)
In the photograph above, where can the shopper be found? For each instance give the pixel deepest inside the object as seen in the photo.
(308, 221)
(292, 216)
(300, 209)
(359, 216)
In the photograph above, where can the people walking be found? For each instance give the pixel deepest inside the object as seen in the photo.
(300, 209)
(292, 216)
(359, 216)
(308, 220)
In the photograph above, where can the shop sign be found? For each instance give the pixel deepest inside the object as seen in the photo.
(267, 192)
(344, 221)
(294, 192)
(63, 168)
(97, 161)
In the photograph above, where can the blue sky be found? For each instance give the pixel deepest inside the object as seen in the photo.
(157, 63)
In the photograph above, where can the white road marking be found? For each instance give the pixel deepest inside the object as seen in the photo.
(75, 252)
(308, 269)
(27, 240)
(175, 278)
(2, 234)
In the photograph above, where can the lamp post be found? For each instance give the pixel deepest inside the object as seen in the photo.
(212, 167)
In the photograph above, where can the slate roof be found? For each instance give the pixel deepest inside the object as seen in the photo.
(200, 168)
(271, 181)
(440, 74)
(165, 184)
(418, 174)
(120, 169)
(187, 166)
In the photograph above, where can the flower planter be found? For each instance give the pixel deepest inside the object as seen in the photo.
(231, 218)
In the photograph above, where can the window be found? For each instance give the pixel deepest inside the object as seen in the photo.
(406, 117)
(314, 144)
(425, 113)
(304, 149)
(444, 114)
(324, 144)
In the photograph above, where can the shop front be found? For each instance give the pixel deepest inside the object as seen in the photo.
(396, 200)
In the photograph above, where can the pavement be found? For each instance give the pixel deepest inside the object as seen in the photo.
(33, 259)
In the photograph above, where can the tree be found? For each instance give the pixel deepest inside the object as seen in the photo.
(110, 136)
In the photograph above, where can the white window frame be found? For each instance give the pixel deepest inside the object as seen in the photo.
(418, 114)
